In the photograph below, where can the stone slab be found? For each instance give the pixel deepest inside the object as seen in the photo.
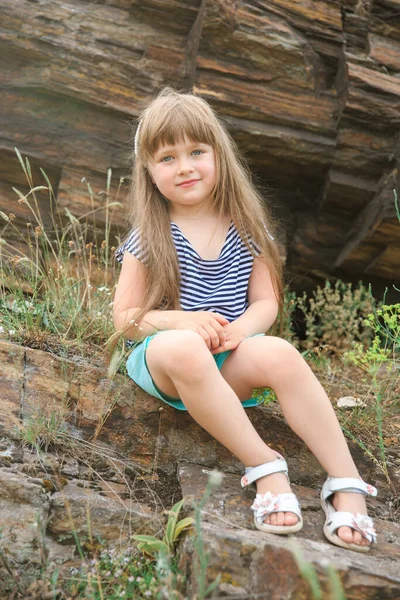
(229, 505)
(149, 433)
(256, 565)
(79, 508)
(251, 562)
(11, 383)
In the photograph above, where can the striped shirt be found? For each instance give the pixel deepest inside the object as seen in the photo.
(214, 285)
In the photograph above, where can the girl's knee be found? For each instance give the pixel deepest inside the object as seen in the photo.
(283, 347)
(181, 352)
(278, 355)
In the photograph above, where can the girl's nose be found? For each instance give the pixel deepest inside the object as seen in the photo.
(185, 165)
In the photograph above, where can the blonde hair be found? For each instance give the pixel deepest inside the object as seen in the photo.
(168, 119)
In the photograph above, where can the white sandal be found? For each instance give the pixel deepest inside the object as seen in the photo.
(335, 519)
(266, 504)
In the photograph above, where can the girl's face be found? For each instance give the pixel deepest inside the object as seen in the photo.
(185, 174)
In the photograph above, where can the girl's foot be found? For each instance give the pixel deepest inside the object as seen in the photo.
(346, 521)
(354, 503)
(274, 502)
(276, 483)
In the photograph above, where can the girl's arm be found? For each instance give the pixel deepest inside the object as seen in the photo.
(261, 313)
(129, 297)
(263, 303)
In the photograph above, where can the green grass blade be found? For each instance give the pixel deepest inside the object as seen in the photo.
(46, 179)
(20, 194)
(109, 173)
(212, 586)
(145, 538)
(335, 584)
(173, 517)
(182, 525)
(28, 168)
(21, 161)
(396, 203)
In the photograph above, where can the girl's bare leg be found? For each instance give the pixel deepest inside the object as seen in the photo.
(182, 366)
(273, 362)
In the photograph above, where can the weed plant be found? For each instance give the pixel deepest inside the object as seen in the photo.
(122, 573)
(381, 362)
(108, 573)
(56, 287)
(334, 316)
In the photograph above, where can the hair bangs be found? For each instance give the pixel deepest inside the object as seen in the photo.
(168, 125)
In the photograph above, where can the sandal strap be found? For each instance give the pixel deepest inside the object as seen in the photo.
(266, 504)
(253, 473)
(347, 484)
(361, 523)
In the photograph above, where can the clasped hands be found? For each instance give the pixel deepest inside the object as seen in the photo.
(216, 331)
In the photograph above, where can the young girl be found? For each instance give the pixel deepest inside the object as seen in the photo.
(200, 284)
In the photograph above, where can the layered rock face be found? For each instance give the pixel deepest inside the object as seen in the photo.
(309, 90)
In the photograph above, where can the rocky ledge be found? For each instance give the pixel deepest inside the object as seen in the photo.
(115, 459)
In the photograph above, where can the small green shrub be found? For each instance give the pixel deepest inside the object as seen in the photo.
(380, 360)
(335, 316)
(154, 546)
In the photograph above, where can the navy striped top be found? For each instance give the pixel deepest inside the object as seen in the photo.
(214, 285)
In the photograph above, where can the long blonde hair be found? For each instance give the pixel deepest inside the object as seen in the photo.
(168, 119)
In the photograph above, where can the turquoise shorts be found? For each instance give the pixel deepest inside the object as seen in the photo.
(138, 371)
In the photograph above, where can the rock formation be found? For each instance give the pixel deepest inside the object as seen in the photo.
(113, 450)
(309, 90)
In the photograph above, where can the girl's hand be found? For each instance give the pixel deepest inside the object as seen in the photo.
(210, 325)
(233, 337)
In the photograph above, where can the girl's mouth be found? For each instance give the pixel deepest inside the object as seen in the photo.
(188, 183)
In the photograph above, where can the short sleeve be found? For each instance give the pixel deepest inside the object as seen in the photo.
(132, 245)
(256, 247)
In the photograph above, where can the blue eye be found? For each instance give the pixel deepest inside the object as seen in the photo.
(164, 159)
(201, 151)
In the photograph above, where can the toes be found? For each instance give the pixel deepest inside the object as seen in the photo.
(357, 537)
(290, 519)
(364, 542)
(350, 536)
(279, 519)
(345, 534)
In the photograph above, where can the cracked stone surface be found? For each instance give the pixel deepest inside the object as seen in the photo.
(127, 420)
(251, 562)
(36, 518)
(141, 445)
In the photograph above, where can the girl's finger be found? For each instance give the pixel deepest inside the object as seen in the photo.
(205, 335)
(220, 318)
(219, 330)
(214, 337)
(223, 348)
(221, 336)
(218, 350)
